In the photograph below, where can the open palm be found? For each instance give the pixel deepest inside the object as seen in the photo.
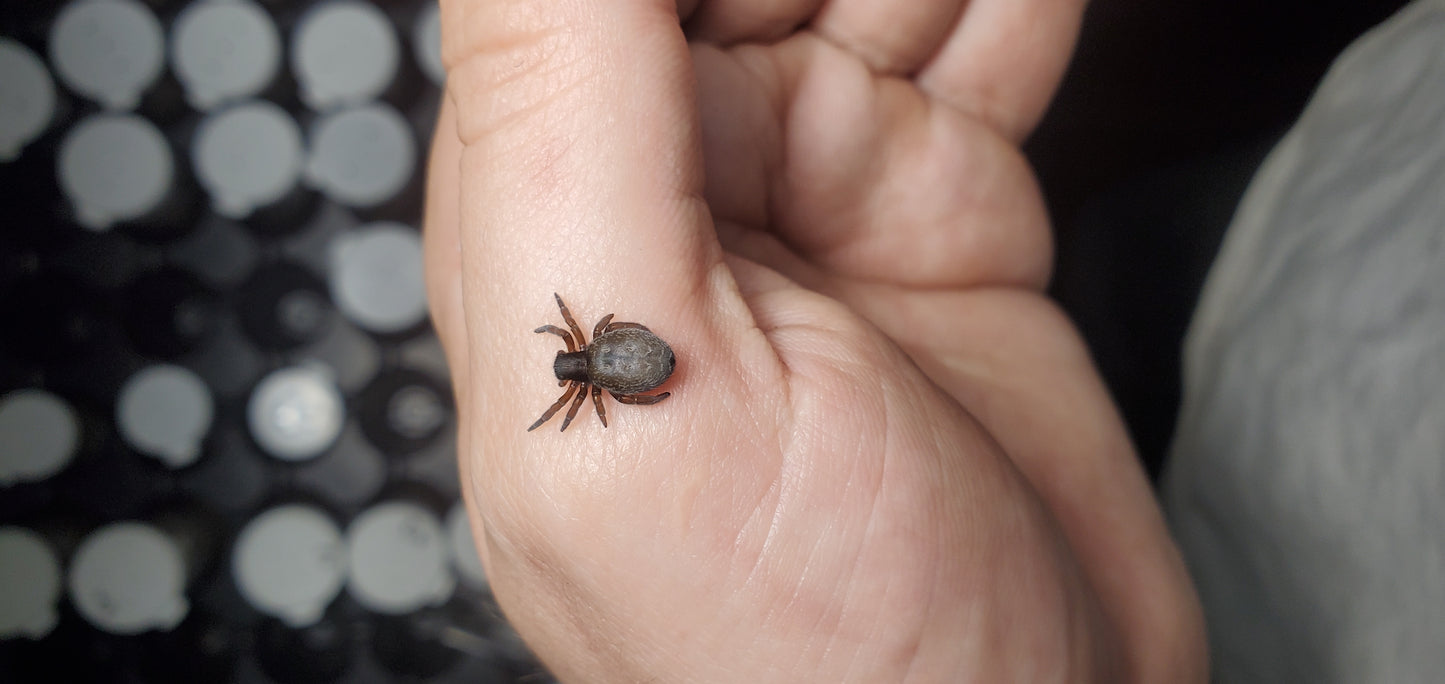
(886, 456)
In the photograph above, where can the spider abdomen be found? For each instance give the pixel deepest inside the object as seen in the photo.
(629, 361)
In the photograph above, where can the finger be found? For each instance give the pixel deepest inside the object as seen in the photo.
(894, 38)
(581, 175)
(998, 60)
(725, 22)
(1005, 60)
(580, 139)
(872, 175)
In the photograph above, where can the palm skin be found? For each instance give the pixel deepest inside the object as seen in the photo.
(887, 456)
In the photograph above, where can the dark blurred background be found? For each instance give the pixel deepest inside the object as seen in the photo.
(226, 437)
(1163, 117)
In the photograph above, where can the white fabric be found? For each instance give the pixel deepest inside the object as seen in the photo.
(1307, 477)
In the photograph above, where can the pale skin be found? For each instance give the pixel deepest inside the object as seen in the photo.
(887, 456)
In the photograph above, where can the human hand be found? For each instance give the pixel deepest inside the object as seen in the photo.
(887, 456)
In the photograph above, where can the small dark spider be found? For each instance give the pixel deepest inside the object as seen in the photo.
(625, 359)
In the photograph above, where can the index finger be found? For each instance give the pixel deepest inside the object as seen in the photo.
(580, 169)
(580, 174)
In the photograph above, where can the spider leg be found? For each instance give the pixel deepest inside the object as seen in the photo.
(597, 331)
(597, 401)
(562, 334)
(552, 411)
(640, 399)
(571, 322)
(621, 324)
(571, 347)
(576, 403)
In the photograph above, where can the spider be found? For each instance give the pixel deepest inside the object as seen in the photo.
(625, 359)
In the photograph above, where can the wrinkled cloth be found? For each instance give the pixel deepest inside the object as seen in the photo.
(1306, 482)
